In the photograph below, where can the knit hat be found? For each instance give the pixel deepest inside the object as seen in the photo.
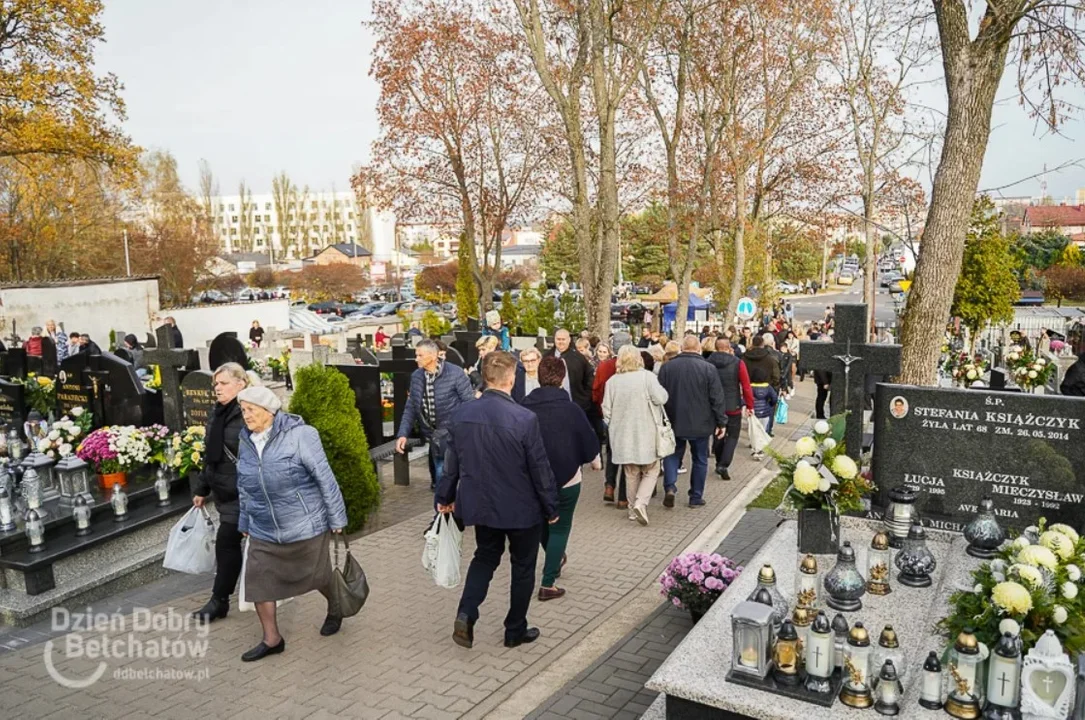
(493, 318)
(262, 397)
(620, 339)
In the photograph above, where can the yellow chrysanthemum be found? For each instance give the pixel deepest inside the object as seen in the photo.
(1065, 530)
(1058, 543)
(1038, 556)
(806, 446)
(1012, 597)
(806, 478)
(845, 467)
(1027, 573)
(195, 457)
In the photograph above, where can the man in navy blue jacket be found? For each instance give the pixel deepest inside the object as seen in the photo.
(497, 478)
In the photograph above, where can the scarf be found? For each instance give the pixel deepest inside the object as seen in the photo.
(216, 431)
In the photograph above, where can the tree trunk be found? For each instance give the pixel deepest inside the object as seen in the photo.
(738, 279)
(870, 269)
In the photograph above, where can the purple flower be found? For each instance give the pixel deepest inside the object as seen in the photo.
(713, 583)
(696, 576)
(676, 602)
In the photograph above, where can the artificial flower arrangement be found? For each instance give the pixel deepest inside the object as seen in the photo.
(821, 474)
(695, 580)
(153, 379)
(188, 450)
(1032, 586)
(41, 393)
(65, 434)
(1028, 370)
(952, 361)
(114, 449)
(968, 369)
(280, 364)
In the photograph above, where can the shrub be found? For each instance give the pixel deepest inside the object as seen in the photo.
(324, 399)
(434, 325)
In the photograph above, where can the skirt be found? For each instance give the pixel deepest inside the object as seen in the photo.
(277, 572)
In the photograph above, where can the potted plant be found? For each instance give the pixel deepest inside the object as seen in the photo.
(695, 580)
(188, 450)
(823, 483)
(113, 451)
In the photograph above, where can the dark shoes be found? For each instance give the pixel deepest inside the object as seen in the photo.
(262, 650)
(331, 625)
(622, 505)
(608, 493)
(550, 593)
(463, 633)
(722, 472)
(668, 499)
(530, 635)
(696, 502)
(215, 609)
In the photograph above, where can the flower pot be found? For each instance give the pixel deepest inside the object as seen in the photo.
(695, 615)
(106, 481)
(276, 374)
(819, 532)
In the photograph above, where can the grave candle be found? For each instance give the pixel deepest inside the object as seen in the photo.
(32, 489)
(7, 521)
(119, 501)
(81, 513)
(930, 694)
(819, 655)
(878, 565)
(964, 695)
(1003, 679)
(35, 532)
(785, 656)
(888, 692)
(162, 487)
(856, 690)
(807, 582)
(840, 640)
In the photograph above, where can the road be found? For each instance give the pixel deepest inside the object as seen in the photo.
(812, 307)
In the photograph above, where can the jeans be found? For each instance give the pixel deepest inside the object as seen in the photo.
(819, 402)
(555, 538)
(724, 449)
(523, 552)
(436, 465)
(698, 450)
(227, 560)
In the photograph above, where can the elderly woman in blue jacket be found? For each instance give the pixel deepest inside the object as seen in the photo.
(290, 505)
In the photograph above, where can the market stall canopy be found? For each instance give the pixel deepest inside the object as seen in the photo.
(669, 293)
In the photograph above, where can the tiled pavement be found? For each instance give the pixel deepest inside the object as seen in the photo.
(396, 658)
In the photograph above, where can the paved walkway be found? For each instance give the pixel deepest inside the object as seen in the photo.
(396, 659)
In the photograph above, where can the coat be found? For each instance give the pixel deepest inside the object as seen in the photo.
(451, 389)
(219, 479)
(764, 400)
(1073, 383)
(631, 404)
(695, 396)
(568, 436)
(580, 374)
(762, 366)
(288, 494)
(496, 469)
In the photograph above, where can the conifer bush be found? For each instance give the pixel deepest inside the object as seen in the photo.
(324, 399)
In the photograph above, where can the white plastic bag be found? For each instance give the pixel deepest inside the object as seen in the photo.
(242, 604)
(759, 437)
(191, 545)
(441, 555)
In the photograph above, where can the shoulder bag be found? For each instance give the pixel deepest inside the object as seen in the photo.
(350, 587)
(665, 442)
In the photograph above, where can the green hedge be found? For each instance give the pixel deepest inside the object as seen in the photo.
(324, 399)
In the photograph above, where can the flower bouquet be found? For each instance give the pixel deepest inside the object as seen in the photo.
(114, 450)
(41, 393)
(695, 580)
(1028, 370)
(62, 438)
(968, 370)
(158, 437)
(281, 365)
(1033, 585)
(153, 379)
(188, 450)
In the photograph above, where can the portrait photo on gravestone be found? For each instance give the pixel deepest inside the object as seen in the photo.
(955, 447)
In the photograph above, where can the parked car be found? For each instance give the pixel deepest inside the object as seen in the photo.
(346, 309)
(895, 288)
(212, 296)
(787, 288)
(1030, 297)
(617, 326)
(845, 278)
(891, 277)
(369, 308)
(391, 308)
(328, 307)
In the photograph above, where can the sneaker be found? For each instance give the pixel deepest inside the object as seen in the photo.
(641, 515)
(681, 470)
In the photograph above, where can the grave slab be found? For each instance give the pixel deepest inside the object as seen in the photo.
(197, 397)
(226, 348)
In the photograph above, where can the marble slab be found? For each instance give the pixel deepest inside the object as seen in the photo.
(696, 671)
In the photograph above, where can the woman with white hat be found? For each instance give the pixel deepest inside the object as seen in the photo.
(290, 505)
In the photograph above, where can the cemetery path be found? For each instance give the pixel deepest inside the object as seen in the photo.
(395, 659)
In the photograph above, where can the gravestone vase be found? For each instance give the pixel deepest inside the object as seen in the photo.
(819, 532)
(106, 481)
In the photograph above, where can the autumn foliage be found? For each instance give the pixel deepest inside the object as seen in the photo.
(337, 281)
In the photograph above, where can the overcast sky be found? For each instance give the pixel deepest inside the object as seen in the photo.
(258, 86)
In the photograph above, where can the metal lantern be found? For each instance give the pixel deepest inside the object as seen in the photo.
(888, 691)
(915, 561)
(81, 514)
(801, 619)
(35, 531)
(42, 464)
(964, 692)
(162, 488)
(818, 655)
(844, 583)
(31, 489)
(889, 649)
(877, 565)
(1004, 680)
(119, 501)
(752, 636)
(840, 640)
(785, 656)
(808, 583)
(7, 513)
(856, 691)
(984, 534)
(766, 580)
(900, 513)
(73, 477)
(930, 693)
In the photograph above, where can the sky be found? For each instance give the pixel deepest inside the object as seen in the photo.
(259, 86)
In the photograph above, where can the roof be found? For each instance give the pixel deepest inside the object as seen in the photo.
(76, 282)
(1054, 215)
(521, 250)
(351, 250)
(253, 257)
(669, 293)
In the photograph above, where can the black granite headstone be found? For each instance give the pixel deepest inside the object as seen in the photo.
(169, 360)
(452, 355)
(956, 446)
(197, 397)
(227, 348)
(12, 404)
(72, 393)
(14, 363)
(48, 357)
(121, 393)
(365, 381)
(465, 343)
(366, 356)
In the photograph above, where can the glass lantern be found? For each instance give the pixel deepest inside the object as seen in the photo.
(877, 565)
(752, 636)
(119, 501)
(856, 691)
(818, 655)
(766, 580)
(889, 649)
(43, 466)
(900, 513)
(840, 640)
(786, 657)
(808, 583)
(35, 531)
(15, 445)
(73, 477)
(31, 489)
(965, 695)
(984, 534)
(81, 514)
(7, 513)
(889, 690)
(162, 488)
(915, 561)
(1004, 680)
(930, 693)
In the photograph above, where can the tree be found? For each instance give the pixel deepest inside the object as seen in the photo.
(209, 190)
(263, 278)
(987, 287)
(513, 277)
(284, 197)
(560, 254)
(335, 281)
(1040, 250)
(796, 253)
(644, 246)
(1064, 282)
(466, 291)
(1045, 36)
(437, 283)
(247, 226)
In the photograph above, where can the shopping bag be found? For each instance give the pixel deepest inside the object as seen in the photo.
(242, 604)
(781, 412)
(191, 545)
(429, 550)
(350, 586)
(759, 437)
(441, 557)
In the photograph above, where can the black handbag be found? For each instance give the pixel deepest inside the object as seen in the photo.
(349, 585)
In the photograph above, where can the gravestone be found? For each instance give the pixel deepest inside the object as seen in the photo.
(197, 397)
(452, 355)
(123, 354)
(465, 343)
(227, 348)
(365, 381)
(401, 367)
(48, 357)
(71, 392)
(366, 356)
(121, 394)
(850, 358)
(169, 361)
(14, 363)
(12, 405)
(955, 446)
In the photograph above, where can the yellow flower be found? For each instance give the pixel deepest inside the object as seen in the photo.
(195, 457)
(845, 467)
(1065, 530)
(806, 478)
(44, 381)
(1012, 597)
(1038, 556)
(806, 446)
(197, 446)
(1058, 543)
(1029, 574)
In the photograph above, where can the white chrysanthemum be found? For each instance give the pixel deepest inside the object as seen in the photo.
(998, 577)
(65, 450)
(845, 467)
(1021, 543)
(806, 446)
(998, 565)
(821, 427)
(54, 434)
(972, 375)
(1032, 374)
(978, 589)
(824, 485)
(1065, 530)
(1060, 615)
(43, 445)
(77, 412)
(1073, 572)
(806, 478)
(828, 443)
(1069, 590)
(1028, 574)
(1058, 543)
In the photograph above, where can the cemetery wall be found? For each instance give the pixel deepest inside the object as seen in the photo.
(202, 323)
(90, 306)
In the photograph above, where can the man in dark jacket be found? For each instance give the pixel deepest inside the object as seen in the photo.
(695, 407)
(579, 370)
(497, 477)
(438, 389)
(761, 366)
(823, 379)
(737, 395)
(1073, 383)
(178, 340)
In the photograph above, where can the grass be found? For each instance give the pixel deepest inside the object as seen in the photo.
(771, 496)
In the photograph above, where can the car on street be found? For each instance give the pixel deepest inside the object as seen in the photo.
(845, 278)
(328, 307)
(787, 288)
(212, 296)
(895, 288)
(617, 326)
(392, 308)
(887, 279)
